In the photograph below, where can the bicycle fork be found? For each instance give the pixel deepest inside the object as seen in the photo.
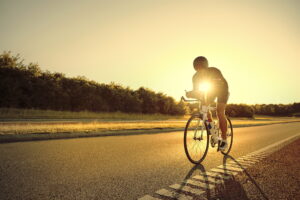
(195, 132)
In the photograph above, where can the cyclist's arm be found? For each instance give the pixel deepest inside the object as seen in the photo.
(195, 93)
(196, 81)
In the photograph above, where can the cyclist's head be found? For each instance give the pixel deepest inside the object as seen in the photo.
(200, 63)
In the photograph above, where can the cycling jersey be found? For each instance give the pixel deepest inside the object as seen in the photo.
(218, 82)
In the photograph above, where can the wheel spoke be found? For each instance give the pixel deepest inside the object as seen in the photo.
(195, 147)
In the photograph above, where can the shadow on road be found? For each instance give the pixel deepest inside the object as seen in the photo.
(233, 189)
(196, 170)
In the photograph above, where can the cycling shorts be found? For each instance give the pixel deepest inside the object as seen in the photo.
(222, 95)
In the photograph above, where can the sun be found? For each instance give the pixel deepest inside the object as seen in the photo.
(205, 86)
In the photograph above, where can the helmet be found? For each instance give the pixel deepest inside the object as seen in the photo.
(200, 60)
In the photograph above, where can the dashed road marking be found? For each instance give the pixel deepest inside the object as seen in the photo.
(223, 171)
(148, 197)
(252, 159)
(173, 194)
(187, 189)
(220, 175)
(261, 156)
(242, 162)
(246, 164)
(207, 179)
(230, 168)
(247, 161)
(199, 184)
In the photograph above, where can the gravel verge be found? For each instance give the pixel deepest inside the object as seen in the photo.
(276, 177)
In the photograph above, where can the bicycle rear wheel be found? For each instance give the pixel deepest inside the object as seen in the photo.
(196, 140)
(229, 137)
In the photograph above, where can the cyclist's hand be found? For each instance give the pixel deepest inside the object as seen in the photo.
(194, 94)
(189, 94)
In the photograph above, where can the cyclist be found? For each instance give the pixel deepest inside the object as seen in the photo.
(219, 90)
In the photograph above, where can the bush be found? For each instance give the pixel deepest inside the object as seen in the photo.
(239, 110)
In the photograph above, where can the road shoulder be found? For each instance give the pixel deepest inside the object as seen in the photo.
(275, 177)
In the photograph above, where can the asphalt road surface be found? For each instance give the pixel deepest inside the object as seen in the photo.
(114, 167)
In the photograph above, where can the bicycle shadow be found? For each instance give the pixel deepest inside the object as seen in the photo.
(233, 189)
(195, 170)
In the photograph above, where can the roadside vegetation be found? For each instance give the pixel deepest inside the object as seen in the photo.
(27, 92)
(27, 86)
(8, 114)
(101, 127)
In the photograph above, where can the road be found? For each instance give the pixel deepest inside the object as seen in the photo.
(114, 167)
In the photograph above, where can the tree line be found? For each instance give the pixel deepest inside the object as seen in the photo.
(243, 110)
(27, 86)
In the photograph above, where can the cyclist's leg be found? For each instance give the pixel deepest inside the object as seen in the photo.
(221, 106)
(222, 119)
(209, 116)
(210, 99)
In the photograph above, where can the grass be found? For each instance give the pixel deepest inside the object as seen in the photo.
(9, 128)
(26, 121)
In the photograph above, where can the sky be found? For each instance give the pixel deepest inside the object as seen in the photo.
(152, 43)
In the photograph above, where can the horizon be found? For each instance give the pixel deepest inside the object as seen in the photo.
(153, 44)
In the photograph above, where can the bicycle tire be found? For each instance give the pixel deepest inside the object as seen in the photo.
(229, 126)
(186, 140)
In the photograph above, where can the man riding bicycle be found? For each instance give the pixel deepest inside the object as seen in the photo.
(219, 90)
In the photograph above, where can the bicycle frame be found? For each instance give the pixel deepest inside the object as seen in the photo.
(203, 110)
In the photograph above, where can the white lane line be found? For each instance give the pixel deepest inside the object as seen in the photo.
(207, 174)
(214, 175)
(173, 194)
(257, 153)
(187, 189)
(148, 197)
(199, 184)
(251, 159)
(255, 156)
(276, 144)
(207, 179)
(224, 171)
(247, 162)
(241, 160)
(239, 163)
(230, 168)
(219, 175)
(236, 165)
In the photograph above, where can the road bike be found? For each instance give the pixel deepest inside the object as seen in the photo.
(197, 133)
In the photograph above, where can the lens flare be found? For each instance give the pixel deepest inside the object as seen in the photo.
(205, 87)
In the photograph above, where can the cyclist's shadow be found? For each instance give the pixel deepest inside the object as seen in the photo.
(232, 188)
(197, 170)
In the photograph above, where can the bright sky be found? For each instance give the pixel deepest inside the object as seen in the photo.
(152, 43)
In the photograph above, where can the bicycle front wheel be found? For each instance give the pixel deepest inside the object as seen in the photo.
(196, 140)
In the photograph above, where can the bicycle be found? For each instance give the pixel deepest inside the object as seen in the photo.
(198, 133)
